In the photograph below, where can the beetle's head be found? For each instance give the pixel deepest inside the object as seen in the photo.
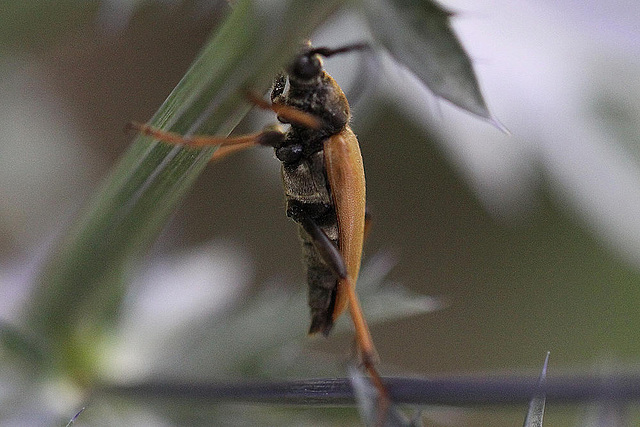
(306, 67)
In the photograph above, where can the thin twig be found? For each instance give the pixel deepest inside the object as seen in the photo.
(416, 391)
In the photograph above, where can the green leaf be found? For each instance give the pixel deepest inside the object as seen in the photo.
(83, 283)
(418, 34)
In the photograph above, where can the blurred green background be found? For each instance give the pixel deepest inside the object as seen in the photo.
(532, 238)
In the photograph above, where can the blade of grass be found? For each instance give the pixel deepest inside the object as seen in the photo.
(82, 284)
(535, 413)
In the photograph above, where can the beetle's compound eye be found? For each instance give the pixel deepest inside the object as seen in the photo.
(306, 67)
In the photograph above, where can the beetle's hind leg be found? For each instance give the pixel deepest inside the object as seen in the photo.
(327, 250)
(332, 257)
(368, 222)
(366, 351)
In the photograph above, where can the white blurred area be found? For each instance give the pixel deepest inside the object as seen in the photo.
(45, 173)
(44, 169)
(174, 294)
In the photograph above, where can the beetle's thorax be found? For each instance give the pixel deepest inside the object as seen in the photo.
(317, 94)
(324, 99)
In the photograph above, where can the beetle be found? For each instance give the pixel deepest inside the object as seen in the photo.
(324, 186)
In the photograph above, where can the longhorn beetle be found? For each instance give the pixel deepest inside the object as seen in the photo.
(324, 186)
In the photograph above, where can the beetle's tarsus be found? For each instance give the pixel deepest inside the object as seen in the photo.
(384, 400)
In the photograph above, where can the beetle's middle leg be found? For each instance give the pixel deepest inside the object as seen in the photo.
(326, 248)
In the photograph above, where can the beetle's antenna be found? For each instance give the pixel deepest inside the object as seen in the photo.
(327, 51)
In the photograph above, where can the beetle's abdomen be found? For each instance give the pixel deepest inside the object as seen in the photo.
(322, 283)
(308, 195)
